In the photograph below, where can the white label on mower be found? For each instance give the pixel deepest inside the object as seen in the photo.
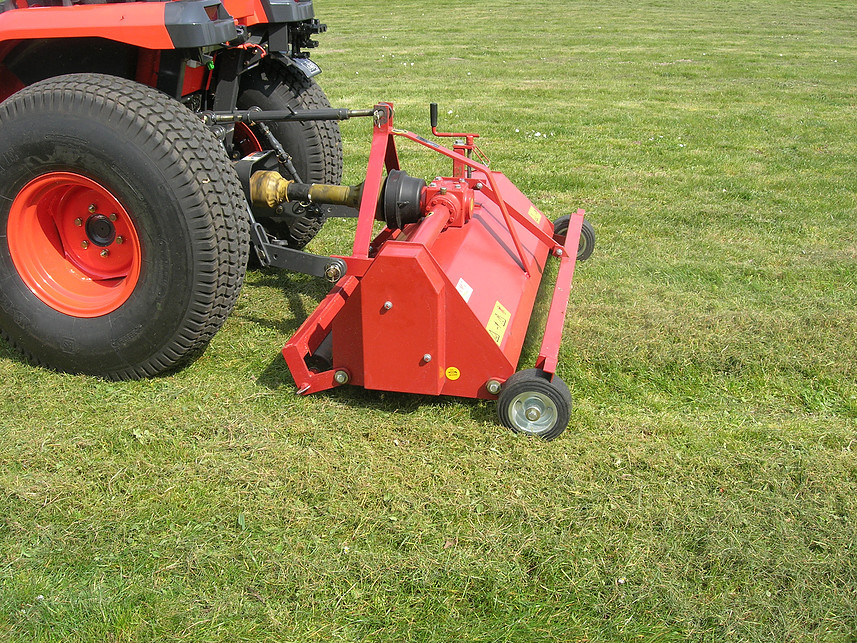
(464, 289)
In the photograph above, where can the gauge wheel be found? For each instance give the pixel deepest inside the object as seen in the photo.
(124, 241)
(315, 146)
(587, 236)
(534, 403)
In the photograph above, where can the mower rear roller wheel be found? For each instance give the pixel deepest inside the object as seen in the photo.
(315, 146)
(587, 236)
(124, 241)
(534, 403)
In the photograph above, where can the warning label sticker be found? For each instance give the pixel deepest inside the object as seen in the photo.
(498, 323)
(464, 289)
(452, 373)
(535, 215)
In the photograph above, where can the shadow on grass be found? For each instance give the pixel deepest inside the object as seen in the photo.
(277, 374)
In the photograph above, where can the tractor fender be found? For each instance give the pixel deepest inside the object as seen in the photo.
(306, 66)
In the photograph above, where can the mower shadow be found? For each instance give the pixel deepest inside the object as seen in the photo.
(277, 377)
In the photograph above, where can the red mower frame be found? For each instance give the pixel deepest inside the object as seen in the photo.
(442, 305)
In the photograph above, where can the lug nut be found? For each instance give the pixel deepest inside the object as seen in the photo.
(92, 208)
(84, 244)
(105, 252)
(78, 222)
(112, 217)
(120, 240)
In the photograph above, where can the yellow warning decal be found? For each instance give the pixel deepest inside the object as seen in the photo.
(498, 323)
(535, 215)
(452, 373)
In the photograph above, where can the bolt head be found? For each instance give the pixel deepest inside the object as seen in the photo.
(427, 358)
(478, 186)
(388, 305)
(84, 244)
(92, 207)
(341, 377)
(112, 216)
(493, 387)
(78, 222)
(120, 240)
(533, 414)
(105, 252)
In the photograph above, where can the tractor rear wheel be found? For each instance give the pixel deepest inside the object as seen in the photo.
(315, 146)
(124, 241)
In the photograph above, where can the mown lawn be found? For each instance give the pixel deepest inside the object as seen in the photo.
(706, 488)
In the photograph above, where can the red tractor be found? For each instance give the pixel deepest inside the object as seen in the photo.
(138, 172)
(124, 228)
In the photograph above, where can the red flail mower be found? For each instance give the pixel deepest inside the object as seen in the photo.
(146, 147)
(439, 302)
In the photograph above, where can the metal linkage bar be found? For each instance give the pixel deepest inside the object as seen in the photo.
(256, 114)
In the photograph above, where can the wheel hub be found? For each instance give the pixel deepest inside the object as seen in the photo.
(100, 230)
(74, 258)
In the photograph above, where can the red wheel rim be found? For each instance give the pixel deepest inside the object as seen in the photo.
(73, 244)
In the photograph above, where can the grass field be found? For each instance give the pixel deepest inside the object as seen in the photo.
(706, 488)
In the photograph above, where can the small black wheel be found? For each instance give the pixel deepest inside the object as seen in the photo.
(587, 236)
(530, 402)
(315, 146)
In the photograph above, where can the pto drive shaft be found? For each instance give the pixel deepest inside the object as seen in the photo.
(401, 201)
(270, 189)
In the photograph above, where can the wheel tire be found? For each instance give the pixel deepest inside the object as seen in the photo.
(131, 151)
(587, 236)
(315, 146)
(532, 391)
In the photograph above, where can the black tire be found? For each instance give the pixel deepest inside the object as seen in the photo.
(174, 182)
(315, 146)
(531, 391)
(587, 236)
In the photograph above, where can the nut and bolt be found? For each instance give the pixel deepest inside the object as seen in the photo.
(120, 239)
(493, 387)
(105, 252)
(78, 222)
(341, 377)
(426, 358)
(333, 272)
(388, 305)
(112, 217)
(84, 244)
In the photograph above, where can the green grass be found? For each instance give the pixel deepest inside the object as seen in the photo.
(707, 486)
